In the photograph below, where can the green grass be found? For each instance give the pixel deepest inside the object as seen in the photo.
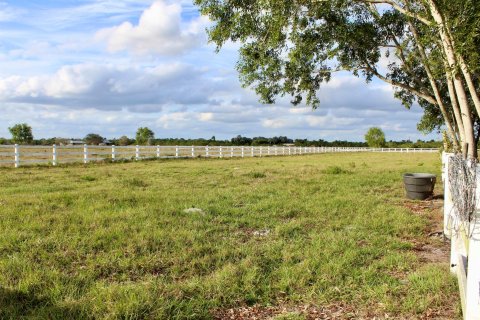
(109, 241)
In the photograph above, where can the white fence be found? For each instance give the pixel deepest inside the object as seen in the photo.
(17, 155)
(465, 242)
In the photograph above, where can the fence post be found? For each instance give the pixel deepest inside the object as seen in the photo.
(54, 155)
(268, 150)
(221, 152)
(113, 153)
(206, 151)
(231, 152)
(276, 150)
(472, 291)
(137, 152)
(243, 153)
(252, 150)
(158, 151)
(448, 203)
(193, 151)
(261, 151)
(176, 151)
(17, 155)
(85, 153)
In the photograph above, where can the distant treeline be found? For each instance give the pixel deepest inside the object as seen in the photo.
(244, 141)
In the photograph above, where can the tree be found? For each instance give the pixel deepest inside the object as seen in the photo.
(21, 133)
(293, 47)
(375, 137)
(93, 139)
(124, 141)
(144, 134)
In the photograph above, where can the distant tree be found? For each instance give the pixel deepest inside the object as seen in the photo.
(241, 141)
(124, 141)
(21, 133)
(143, 135)
(375, 137)
(93, 139)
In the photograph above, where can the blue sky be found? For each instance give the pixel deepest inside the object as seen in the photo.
(69, 68)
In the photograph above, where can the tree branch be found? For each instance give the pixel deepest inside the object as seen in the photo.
(400, 9)
(416, 92)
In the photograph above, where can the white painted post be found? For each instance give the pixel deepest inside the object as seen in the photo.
(252, 151)
(54, 155)
(448, 202)
(261, 151)
(221, 152)
(206, 151)
(158, 151)
(243, 152)
(85, 153)
(231, 152)
(193, 151)
(176, 151)
(137, 152)
(472, 291)
(289, 151)
(283, 150)
(276, 150)
(17, 156)
(113, 153)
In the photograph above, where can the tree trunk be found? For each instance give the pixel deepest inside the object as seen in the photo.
(451, 132)
(457, 81)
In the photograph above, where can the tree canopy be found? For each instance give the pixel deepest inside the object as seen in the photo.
(94, 139)
(293, 47)
(21, 133)
(375, 137)
(144, 135)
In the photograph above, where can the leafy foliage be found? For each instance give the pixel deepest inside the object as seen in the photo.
(21, 133)
(144, 135)
(93, 139)
(375, 137)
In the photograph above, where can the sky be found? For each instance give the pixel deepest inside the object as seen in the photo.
(73, 67)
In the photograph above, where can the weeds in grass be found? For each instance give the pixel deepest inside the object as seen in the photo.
(335, 170)
(89, 178)
(121, 247)
(134, 182)
(256, 175)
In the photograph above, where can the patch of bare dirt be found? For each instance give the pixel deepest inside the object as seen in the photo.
(310, 312)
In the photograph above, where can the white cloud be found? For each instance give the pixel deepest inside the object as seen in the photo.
(160, 30)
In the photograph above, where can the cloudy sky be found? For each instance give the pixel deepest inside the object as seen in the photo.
(71, 67)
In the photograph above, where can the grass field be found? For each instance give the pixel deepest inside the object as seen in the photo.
(328, 233)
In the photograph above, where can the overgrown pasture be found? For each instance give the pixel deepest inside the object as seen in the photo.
(287, 237)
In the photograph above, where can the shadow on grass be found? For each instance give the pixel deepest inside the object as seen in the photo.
(20, 305)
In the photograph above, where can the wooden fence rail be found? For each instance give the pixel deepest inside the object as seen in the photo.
(19, 155)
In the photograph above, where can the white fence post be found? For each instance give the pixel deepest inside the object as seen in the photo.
(54, 155)
(85, 153)
(114, 155)
(17, 155)
(158, 151)
(252, 150)
(447, 195)
(206, 151)
(472, 299)
(176, 151)
(221, 152)
(193, 151)
(261, 151)
(243, 153)
(137, 152)
(231, 152)
(268, 150)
